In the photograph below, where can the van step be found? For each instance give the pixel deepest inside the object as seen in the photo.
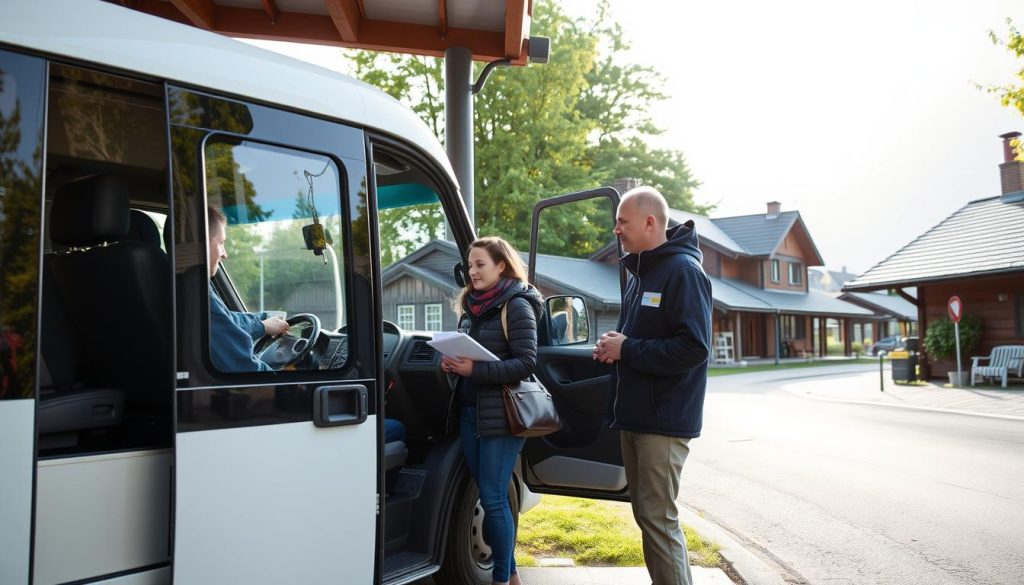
(403, 563)
(410, 482)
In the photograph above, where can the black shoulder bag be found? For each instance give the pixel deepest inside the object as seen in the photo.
(528, 405)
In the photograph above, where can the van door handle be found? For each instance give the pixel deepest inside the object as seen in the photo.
(335, 406)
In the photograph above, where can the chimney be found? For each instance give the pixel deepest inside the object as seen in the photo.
(774, 208)
(625, 184)
(1011, 172)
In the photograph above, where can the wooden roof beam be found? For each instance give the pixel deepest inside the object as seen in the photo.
(442, 17)
(201, 13)
(347, 18)
(270, 7)
(517, 20)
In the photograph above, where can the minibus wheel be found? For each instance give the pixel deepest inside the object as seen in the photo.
(468, 556)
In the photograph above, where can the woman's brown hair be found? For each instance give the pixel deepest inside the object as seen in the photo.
(500, 251)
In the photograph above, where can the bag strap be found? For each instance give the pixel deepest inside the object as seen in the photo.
(504, 327)
(504, 319)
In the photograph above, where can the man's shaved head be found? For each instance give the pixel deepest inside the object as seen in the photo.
(641, 219)
(648, 201)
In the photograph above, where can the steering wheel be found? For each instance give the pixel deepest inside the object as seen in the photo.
(286, 349)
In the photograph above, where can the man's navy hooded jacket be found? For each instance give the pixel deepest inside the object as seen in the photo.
(658, 383)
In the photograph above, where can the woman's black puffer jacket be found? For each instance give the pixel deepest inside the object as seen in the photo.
(518, 354)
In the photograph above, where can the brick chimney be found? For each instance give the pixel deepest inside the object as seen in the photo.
(625, 184)
(1011, 171)
(774, 208)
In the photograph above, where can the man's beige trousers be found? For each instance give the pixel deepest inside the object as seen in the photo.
(653, 465)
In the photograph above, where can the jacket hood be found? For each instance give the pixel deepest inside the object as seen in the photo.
(528, 292)
(681, 239)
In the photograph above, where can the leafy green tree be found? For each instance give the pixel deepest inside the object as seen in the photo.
(1011, 95)
(579, 121)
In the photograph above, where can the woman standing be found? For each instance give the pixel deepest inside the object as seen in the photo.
(497, 278)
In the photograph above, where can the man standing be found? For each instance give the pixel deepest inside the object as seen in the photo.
(660, 352)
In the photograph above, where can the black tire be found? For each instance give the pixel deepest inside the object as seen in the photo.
(467, 558)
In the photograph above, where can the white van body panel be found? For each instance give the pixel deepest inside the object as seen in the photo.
(17, 437)
(106, 34)
(241, 492)
(101, 514)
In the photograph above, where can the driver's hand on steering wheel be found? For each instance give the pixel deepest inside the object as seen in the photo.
(275, 326)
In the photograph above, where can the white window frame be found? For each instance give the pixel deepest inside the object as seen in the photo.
(433, 322)
(776, 270)
(402, 319)
(796, 268)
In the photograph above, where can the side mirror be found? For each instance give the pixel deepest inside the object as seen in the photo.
(567, 320)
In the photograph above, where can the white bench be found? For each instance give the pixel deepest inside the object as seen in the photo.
(1003, 360)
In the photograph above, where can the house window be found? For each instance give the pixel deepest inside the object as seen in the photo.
(775, 271)
(407, 316)
(796, 272)
(432, 317)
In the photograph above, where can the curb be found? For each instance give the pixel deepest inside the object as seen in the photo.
(746, 564)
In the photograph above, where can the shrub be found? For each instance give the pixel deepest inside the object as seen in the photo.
(940, 339)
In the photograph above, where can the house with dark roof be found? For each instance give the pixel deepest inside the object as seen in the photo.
(763, 306)
(977, 254)
(896, 315)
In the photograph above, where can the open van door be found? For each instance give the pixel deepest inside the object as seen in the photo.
(584, 458)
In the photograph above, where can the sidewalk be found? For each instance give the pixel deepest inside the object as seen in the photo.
(611, 576)
(863, 388)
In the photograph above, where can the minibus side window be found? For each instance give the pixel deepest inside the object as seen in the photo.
(22, 81)
(282, 213)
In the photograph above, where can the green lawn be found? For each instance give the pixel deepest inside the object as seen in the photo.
(593, 533)
(725, 371)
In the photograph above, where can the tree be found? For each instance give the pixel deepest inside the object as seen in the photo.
(579, 121)
(1012, 95)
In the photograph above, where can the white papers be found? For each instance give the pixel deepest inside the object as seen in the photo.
(455, 344)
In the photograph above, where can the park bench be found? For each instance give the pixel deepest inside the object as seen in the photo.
(1003, 360)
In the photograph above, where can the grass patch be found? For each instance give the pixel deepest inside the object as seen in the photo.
(725, 371)
(593, 533)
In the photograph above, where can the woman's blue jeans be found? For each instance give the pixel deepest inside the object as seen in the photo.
(490, 461)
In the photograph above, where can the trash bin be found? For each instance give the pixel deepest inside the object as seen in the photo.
(904, 366)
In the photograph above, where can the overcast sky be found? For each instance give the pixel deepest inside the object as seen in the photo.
(863, 116)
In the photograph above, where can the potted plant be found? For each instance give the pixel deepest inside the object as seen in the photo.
(940, 342)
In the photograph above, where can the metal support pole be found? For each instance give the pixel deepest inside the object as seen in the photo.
(959, 372)
(458, 120)
(881, 373)
(778, 339)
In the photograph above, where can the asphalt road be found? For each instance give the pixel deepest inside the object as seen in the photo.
(842, 493)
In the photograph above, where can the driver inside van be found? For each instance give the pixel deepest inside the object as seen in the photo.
(234, 331)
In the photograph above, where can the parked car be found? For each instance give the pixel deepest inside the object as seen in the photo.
(893, 342)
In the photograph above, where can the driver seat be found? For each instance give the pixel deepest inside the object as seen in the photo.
(117, 292)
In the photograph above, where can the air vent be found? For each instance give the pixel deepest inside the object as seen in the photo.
(421, 352)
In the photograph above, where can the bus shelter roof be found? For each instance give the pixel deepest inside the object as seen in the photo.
(491, 29)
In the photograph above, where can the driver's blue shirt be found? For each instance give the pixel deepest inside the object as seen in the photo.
(231, 340)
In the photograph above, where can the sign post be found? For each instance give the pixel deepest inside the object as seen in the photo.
(955, 308)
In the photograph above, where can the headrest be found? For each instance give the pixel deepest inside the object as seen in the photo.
(142, 228)
(90, 211)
